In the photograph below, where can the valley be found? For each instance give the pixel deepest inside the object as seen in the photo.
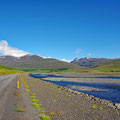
(50, 89)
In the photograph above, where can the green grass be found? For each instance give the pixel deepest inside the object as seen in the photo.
(33, 94)
(6, 70)
(58, 89)
(68, 95)
(101, 109)
(45, 117)
(95, 119)
(109, 68)
(35, 100)
(26, 86)
(43, 111)
(47, 70)
(37, 106)
(94, 106)
(26, 90)
(33, 97)
(20, 110)
(52, 114)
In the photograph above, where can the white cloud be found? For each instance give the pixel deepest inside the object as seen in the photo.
(46, 57)
(77, 51)
(66, 60)
(5, 49)
(58, 59)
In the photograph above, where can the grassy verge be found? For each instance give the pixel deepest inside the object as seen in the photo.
(47, 70)
(97, 70)
(34, 102)
(6, 70)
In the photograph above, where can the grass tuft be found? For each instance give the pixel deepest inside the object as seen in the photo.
(94, 106)
(68, 95)
(26, 90)
(37, 106)
(95, 119)
(26, 86)
(101, 109)
(33, 94)
(52, 114)
(43, 111)
(33, 97)
(58, 89)
(35, 100)
(45, 117)
(20, 110)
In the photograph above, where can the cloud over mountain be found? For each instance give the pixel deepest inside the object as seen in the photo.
(66, 60)
(5, 49)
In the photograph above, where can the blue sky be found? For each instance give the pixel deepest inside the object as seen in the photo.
(62, 28)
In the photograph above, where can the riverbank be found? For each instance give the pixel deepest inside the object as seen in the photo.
(103, 87)
(64, 104)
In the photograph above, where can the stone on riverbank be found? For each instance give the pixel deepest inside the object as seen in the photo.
(117, 105)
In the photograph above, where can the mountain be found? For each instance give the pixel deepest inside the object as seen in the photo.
(7, 70)
(98, 65)
(35, 62)
(112, 66)
(91, 62)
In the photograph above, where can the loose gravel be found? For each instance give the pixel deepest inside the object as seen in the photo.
(64, 104)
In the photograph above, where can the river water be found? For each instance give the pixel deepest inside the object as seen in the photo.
(107, 91)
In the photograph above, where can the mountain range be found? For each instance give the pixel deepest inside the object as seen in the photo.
(99, 64)
(91, 62)
(35, 62)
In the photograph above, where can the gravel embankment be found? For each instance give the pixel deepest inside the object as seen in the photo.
(69, 105)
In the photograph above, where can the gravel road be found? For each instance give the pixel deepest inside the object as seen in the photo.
(6, 84)
(12, 99)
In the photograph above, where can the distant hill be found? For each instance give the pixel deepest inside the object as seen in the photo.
(91, 62)
(112, 66)
(98, 65)
(35, 62)
(7, 70)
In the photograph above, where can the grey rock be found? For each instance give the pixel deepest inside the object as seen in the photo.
(111, 105)
(117, 105)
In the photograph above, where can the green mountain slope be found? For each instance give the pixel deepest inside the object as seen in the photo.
(6, 70)
(32, 63)
(113, 66)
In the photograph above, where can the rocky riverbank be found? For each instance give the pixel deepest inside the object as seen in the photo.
(62, 103)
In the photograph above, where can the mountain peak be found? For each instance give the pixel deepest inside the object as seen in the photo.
(90, 62)
(30, 61)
